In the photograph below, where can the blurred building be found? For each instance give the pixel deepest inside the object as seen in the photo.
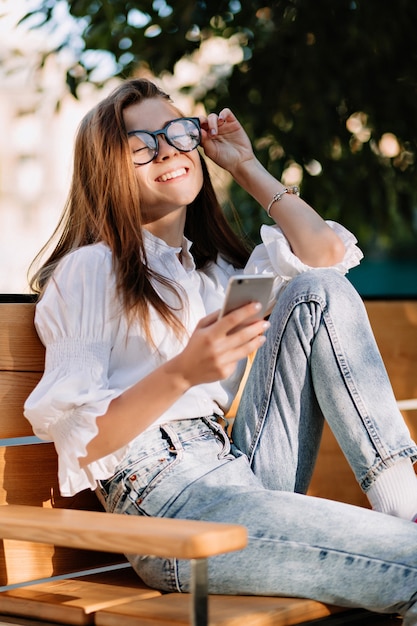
(36, 142)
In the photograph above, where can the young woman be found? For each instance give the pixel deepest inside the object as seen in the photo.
(139, 367)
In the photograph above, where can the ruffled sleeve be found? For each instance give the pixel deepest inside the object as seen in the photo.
(275, 255)
(76, 320)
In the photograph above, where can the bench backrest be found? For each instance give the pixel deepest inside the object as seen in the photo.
(28, 469)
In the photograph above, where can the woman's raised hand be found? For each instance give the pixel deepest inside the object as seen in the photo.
(224, 140)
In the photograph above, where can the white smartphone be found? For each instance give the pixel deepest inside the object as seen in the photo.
(245, 288)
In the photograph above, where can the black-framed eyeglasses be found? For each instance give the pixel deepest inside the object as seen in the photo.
(183, 133)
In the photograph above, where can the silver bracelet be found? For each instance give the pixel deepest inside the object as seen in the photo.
(277, 197)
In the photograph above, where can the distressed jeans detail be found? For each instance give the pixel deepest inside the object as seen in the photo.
(320, 362)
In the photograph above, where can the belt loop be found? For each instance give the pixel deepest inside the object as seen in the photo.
(221, 434)
(172, 437)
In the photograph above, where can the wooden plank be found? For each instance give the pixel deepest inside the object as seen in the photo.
(22, 482)
(410, 418)
(14, 389)
(74, 601)
(223, 611)
(29, 475)
(92, 530)
(394, 324)
(20, 347)
(333, 477)
(395, 327)
(23, 561)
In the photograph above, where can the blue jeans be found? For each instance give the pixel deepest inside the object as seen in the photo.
(320, 361)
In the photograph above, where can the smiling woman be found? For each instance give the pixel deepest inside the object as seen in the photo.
(140, 368)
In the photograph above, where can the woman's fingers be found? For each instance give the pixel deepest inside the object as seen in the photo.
(245, 317)
(218, 344)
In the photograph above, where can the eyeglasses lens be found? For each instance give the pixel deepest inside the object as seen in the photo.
(183, 134)
(143, 147)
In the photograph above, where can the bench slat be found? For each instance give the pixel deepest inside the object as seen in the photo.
(14, 389)
(20, 347)
(224, 611)
(93, 530)
(22, 561)
(22, 483)
(74, 601)
(395, 327)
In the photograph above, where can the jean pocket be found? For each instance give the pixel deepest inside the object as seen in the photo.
(134, 483)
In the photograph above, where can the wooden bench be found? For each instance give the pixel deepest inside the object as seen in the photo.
(48, 540)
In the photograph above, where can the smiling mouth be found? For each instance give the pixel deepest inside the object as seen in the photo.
(170, 175)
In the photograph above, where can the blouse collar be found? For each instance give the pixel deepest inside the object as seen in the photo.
(160, 249)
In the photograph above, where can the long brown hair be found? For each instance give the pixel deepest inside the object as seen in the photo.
(103, 205)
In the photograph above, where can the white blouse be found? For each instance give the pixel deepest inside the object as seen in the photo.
(93, 354)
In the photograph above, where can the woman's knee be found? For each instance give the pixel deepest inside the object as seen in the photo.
(321, 286)
(316, 292)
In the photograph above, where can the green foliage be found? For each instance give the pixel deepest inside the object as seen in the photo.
(307, 67)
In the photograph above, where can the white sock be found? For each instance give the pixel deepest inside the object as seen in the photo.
(395, 491)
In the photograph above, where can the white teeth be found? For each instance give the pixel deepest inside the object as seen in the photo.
(175, 174)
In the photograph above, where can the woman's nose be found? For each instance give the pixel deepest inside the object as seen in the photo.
(165, 149)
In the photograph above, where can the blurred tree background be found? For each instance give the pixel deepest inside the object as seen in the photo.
(326, 89)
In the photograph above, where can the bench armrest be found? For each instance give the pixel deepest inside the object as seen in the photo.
(111, 532)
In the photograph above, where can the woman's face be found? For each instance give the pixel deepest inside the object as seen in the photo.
(173, 179)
